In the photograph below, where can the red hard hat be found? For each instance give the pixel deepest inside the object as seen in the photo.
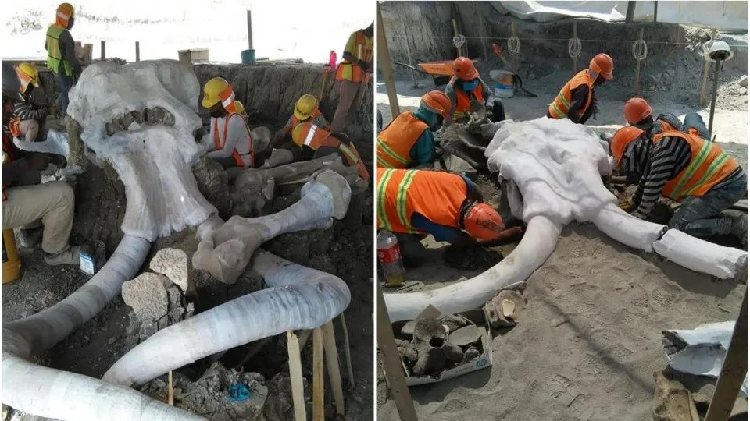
(636, 109)
(483, 222)
(622, 139)
(602, 64)
(437, 102)
(464, 69)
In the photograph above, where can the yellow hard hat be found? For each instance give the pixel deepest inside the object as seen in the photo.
(306, 105)
(27, 73)
(212, 91)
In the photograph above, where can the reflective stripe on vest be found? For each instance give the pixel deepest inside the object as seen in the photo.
(247, 160)
(296, 121)
(401, 200)
(561, 105)
(54, 55)
(709, 165)
(395, 142)
(463, 102)
(363, 52)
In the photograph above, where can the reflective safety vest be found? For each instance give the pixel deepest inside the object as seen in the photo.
(435, 195)
(15, 126)
(247, 160)
(363, 52)
(463, 102)
(315, 137)
(394, 143)
(54, 55)
(561, 105)
(709, 165)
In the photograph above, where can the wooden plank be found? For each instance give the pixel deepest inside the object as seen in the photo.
(732, 371)
(332, 364)
(348, 354)
(318, 410)
(295, 376)
(170, 395)
(303, 337)
(394, 373)
(384, 60)
(706, 71)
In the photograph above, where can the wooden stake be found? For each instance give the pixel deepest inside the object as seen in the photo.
(348, 353)
(384, 59)
(706, 71)
(575, 59)
(170, 396)
(394, 373)
(638, 69)
(103, 51)
(318, 411)
(732, 371)
(303, 337)
(332, 364)
(656, 10)
(295, 375)
(137, 51)
(630, 14)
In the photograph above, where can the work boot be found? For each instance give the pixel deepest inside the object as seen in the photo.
(71, 256)
(27, 238)
(413, 253)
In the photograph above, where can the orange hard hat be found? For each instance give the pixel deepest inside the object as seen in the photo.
(437, 102)
(636, 109)
(620, 141)
(602, 64)
(483, 222)
(464, 69)
(66, 9)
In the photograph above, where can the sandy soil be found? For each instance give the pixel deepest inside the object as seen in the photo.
(588, 341)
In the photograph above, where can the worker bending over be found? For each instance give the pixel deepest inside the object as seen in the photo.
(25, 201)
(466, 86)
(685, 168)
(353, 74)
(316, 142)
(28, 117)
(305, 110)
(413, 203)
(408, 141)
(231, 138)
(577, 99)
(61, 54)
(638, 113)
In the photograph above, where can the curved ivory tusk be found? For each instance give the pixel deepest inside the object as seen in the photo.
(701, 256)
(537, 244)
(299, 298)
(627, 229)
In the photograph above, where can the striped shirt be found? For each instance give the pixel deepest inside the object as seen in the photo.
(658, 164)
(25, 110)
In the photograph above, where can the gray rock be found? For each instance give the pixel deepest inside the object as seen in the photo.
(743, 81)
(453, 322)
(408, 329)
(146, 295)
(431, 361)
(453, 353)
(470, 355)
(465, 336)
(427, 329)
(172, 263)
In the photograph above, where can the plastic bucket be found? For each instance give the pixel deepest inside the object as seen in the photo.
(11, 261)
(503, 83)
(248, 57)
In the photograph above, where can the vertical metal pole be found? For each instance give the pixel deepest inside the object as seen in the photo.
(713, 100)
(656, 10)
(732, 371)
(249, 30)
(408, 53)
(631, 12)
(137, 51)
(103, 50)
(384, 60)
(455, 33)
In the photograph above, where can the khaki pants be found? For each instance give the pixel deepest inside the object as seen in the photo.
(346, 107)
(30, 129)
(52, 203)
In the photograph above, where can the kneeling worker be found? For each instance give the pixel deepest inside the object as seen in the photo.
(413, 203)
(28, 116)
(639, 113)
(686, 169)
(231, 137)
(320, 142)
(25, 201)
(306, 110)
(577, 99)
(408, 141)
(466, 86)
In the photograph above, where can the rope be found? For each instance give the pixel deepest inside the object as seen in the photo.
(574, 47)
(459, 40)
(514, 45)
(640, 50)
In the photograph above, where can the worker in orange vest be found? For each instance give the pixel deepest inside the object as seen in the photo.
(320, 142)
(577, 99)
(466, 86)
(233, 144)
(639, 113)
(353, 73)
(688, 169)
(305, 110)
(408, 141)
(413, 203)
(25, 200)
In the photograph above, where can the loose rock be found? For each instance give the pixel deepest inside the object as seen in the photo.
(173, 263)
(147, 295)
(465, 335)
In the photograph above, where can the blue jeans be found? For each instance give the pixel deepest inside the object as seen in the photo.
(702, 217)
(64, 83)
(694, 120)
